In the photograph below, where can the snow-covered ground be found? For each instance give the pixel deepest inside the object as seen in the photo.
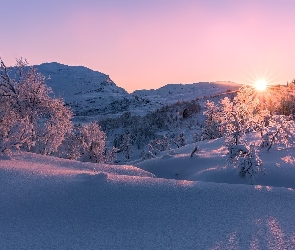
(51, 203)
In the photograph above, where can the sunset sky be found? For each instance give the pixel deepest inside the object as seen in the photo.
(144, 44)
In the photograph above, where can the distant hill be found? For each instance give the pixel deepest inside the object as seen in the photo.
(92, 94)
(85, 90)
(171, 93)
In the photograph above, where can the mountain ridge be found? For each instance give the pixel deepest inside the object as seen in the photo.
(92, 93)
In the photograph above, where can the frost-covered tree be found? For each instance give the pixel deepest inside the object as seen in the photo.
(180, 140)
(281, 131)
(287, 100)
(156, 146)
(235, 118)
(232, 129)
(29, 118)
(246, 160)
(92, 143)
(211, 128)
(240, 116)
(126, 146)
(87, 143)
(111, 155)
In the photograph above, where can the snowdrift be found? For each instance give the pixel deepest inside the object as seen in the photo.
(51, 203)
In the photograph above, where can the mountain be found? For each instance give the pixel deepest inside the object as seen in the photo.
(85, 90)
(172, 93)
(93, 95)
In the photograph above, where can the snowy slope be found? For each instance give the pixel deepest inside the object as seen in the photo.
(90, 94)
(51, 203)
(172, 93)
(86, 91)
(209, 164)
(93, 94)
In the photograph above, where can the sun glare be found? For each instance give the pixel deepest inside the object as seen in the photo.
(260, 85)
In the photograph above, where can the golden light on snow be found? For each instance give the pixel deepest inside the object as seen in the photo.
(260, 85)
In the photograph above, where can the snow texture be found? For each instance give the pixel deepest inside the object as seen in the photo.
(52, 203)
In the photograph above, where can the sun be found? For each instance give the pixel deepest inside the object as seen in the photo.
(260, 85)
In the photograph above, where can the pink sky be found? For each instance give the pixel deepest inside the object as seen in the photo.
(149, 43)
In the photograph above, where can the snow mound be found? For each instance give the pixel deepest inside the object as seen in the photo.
(52, 203)
(45, 165)
(209, 164)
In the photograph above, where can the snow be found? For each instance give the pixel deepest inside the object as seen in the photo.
(172, 93)
(93, 95)
(83, 89)
(209, 164)
(52, 203)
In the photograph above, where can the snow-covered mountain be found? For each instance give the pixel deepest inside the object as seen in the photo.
(172, 93)
(93, 94)
(85, 90)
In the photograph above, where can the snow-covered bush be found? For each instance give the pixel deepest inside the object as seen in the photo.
(281, 131)
(87, 143)
(211, 129)
(126, 146)
(29, 118)
(92, 143)
(156, 146)
(240, 115)
(285, 97)
(245, 159)
(232, 119)
(180, 140)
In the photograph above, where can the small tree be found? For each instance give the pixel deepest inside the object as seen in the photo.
(246, 159)
(211, 129)
(87, 143)
(281, 130)
(126, 146)
(180, 140)
(92, 140)
(241, 115)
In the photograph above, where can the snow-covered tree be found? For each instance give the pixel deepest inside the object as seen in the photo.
(246, 160)
(180, 140)
(281, 130)
(92, 143)
(287, 100)
(29, 118)
(87, 143)
(156, 146)
(126, 146)
(211, 129)
(111, 155)
(240, 116)
(232, 128)
(52, 132)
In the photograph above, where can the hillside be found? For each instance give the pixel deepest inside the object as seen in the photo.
(93, 95)
(177, 190)
(172, 93)
(86, 91)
